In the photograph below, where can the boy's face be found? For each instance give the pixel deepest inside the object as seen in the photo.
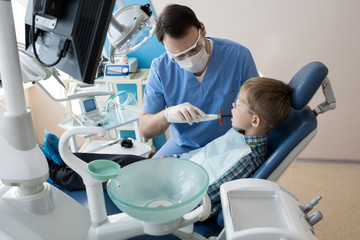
(241, 116)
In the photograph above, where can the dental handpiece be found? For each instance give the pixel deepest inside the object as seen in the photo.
(208, 117)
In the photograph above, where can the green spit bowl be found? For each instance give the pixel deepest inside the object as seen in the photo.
(103, 169)
(159, 190)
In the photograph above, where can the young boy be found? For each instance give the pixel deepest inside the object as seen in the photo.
(261, 105)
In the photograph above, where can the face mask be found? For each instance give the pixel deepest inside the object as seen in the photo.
(195, 63)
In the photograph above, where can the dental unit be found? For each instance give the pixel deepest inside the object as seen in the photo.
(155, 197)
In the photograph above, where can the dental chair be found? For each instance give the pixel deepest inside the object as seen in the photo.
(286, 141)
(289, 138)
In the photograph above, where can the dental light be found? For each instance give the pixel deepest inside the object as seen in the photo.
(130, 27)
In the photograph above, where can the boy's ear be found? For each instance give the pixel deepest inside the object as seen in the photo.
(255, 121)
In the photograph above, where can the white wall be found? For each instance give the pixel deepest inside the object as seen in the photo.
(283, 36)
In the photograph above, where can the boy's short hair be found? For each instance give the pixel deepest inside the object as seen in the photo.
(270, 98)
(175, 20)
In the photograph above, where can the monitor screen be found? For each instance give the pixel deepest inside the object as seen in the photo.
(68, 34)
(89, 105)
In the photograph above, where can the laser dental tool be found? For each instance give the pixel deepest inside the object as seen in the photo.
(208, 117)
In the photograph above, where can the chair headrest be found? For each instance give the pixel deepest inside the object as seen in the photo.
(306, 82)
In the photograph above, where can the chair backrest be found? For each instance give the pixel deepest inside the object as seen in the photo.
(288, 139)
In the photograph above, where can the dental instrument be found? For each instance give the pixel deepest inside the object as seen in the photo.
(208, 117)
(90, 112)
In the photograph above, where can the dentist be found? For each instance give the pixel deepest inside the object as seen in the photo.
(196, 75)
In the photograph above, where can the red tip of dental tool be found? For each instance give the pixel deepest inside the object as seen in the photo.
(220, 117)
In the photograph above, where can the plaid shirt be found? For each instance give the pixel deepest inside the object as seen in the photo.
(243, 168)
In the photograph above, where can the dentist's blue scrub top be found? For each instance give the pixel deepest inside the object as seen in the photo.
(231, 64)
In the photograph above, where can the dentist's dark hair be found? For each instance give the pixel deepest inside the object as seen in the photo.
(175, 21)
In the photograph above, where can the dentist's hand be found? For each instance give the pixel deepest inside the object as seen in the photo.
(184, 112)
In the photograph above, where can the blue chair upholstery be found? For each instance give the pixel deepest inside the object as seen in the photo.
(286, 141)
(285, 138)
(306, 82)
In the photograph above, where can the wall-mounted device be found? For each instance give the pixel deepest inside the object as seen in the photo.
(119, 70)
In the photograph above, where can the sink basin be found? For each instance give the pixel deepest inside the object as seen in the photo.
(159, 190)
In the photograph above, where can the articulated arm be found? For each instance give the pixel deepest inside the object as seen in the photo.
(330, 102)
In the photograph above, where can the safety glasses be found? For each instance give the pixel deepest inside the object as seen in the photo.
(242, 107)
(188, 52)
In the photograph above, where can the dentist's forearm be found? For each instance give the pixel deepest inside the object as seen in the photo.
(152, 125)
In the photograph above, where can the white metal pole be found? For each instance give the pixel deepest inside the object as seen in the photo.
(22, 162)
(9, 62)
